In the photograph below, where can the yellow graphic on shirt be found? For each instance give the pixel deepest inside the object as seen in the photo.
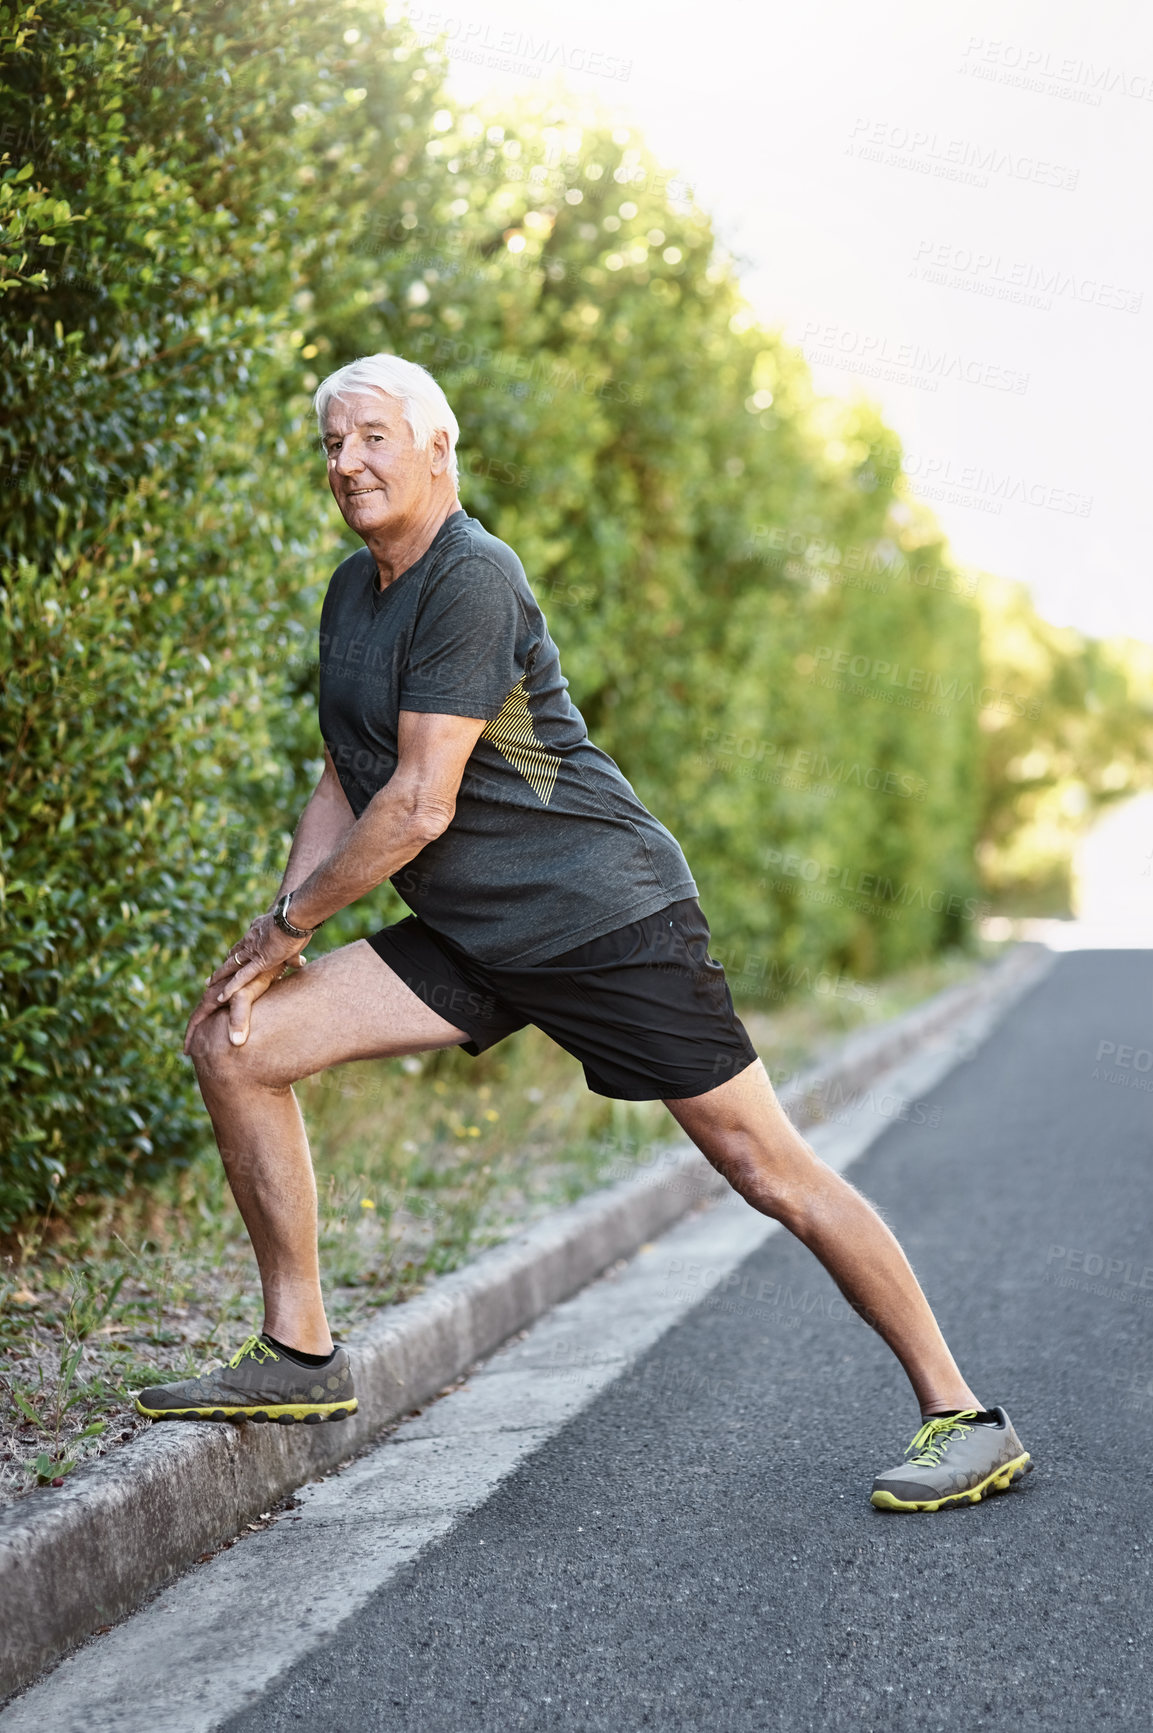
(512, 734)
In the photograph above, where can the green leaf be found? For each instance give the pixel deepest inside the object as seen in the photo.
(26, 1407)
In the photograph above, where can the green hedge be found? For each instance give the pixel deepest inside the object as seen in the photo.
(203, 210)
(164, 551)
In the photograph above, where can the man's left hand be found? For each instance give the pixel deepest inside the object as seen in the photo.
(248, 971)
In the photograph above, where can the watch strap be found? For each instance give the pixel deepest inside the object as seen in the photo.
(280, 916)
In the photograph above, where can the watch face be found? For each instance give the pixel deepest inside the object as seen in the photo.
(280, 916)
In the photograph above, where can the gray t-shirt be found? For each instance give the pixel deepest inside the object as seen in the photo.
(549, 845)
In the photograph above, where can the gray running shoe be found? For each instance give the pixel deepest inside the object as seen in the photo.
(955, 1463)
(257, 1384)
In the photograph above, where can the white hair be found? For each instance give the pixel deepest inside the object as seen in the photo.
(424, 404)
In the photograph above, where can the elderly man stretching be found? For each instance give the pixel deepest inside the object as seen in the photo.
(542, 892)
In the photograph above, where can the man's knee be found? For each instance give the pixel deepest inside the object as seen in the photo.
(754, 1171)
(760, 1153)
(210, 1050)
(220, 1065)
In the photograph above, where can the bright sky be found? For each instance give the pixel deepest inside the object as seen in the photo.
(945, 207)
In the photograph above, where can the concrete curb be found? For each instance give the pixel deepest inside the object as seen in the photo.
(79, 1557)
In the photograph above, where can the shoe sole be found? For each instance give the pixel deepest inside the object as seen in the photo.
(279, 1414)
(1000, 1480)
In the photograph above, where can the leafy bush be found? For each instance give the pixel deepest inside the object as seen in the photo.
(163, 550)
(202, 210)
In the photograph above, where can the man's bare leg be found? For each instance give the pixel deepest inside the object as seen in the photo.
(743, 1130)
(346, 1005)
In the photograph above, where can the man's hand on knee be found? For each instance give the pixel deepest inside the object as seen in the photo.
(236, 1000)
(261, 957)
(240, 999)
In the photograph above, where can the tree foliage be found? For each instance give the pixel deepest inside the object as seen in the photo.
(1072, 734)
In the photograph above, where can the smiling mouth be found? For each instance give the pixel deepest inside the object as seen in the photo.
(361, 492)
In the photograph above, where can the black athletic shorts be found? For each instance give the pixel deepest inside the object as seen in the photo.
(645, 1009)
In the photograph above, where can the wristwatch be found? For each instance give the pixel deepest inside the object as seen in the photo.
(280, 916)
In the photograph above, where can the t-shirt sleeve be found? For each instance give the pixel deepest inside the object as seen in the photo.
(463, 659)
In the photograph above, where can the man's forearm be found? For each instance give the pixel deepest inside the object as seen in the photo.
(413, 808)
(392, 829)
(324, 823)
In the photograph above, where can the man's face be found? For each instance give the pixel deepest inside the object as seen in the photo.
(380, 481)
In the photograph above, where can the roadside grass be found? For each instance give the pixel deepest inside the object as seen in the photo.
(421, 1163)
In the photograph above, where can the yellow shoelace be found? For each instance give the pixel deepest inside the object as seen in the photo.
(931, 1439)
(260, 1351)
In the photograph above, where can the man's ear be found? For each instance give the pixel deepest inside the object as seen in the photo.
(440, 452)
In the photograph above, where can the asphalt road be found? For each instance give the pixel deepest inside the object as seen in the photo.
(696, 1549)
